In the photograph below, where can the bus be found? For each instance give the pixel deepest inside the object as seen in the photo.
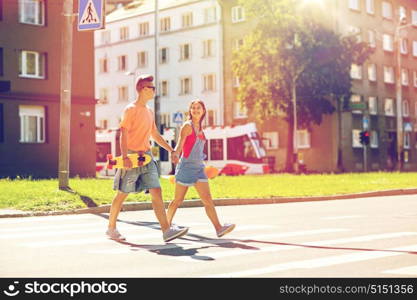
(238, 145)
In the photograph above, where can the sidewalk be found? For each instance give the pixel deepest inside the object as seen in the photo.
(11, 213)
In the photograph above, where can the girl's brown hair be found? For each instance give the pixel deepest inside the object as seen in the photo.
(190, 117)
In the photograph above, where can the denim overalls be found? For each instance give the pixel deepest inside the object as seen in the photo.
(191, 169)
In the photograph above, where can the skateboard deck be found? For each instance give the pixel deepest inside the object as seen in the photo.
(137, 159)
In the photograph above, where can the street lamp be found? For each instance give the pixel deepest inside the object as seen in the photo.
(398, 88)
(133, 74)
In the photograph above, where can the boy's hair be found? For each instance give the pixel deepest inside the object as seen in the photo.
(141, 80)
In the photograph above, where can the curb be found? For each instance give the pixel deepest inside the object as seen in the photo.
(218, 202)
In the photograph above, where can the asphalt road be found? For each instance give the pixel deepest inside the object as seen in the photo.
(368, 237)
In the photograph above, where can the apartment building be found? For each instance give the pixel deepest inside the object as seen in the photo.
(188, 59)
(391, 28)
(30, 65)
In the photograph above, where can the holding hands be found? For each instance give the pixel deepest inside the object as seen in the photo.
(175, 157)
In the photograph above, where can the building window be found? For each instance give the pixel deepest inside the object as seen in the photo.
(389, 74)
(209, 82)
(238, 14)
(103, 65)
(216, 149)
(406, 108)
(104, 124)
(354, 4)
(124, 33)
(404, 77)
(32, 64)
(208, 48)
(240, 110)
(414, 17)
(185, 51)
(407, 138)
(144, 29)
(372, 72)
(356, 71)
(210, 15)
(389, 107)
(373, 105)
(32, 124)
(142, 59)
(387, 42)
(1, 61)
(105, 37)
(370, 7)
(164, 88)
(372, 38)
(356, 99)
(387, 10)
(185, 86)
(211, 117)
(374, 139)
(163, 55)
(236, 82)
(270, 140)
(237, 43)
(1, 120)
(402, 12)
(303, 139)
(32, 12)
(415, 78)
(415, 109)
(356, 138)
(122, 94)
(187, 20)
(165, 24)
(122, 63)
(355, 32)
(103, 96)
(404, 46)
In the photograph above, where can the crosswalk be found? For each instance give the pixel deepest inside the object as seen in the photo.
(267, 250)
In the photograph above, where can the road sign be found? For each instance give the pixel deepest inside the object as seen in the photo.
(365, 123)
(358, 106)
(177, 117)
(90, 14)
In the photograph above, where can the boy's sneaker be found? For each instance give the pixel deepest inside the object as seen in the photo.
(226, 228)
(174, 232)
(114, 234)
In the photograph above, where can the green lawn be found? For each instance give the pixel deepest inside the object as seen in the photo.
(44, 195)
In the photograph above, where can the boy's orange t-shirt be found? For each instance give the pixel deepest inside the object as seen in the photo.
(139, 123)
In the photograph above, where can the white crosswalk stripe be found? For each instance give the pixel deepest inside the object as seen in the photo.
(320, 262)
(320, 243)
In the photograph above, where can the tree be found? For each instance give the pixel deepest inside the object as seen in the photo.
(292, 56)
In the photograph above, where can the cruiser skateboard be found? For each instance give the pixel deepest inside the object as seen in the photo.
(138, 160)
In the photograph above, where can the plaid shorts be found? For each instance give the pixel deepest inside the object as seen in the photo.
(137, 179)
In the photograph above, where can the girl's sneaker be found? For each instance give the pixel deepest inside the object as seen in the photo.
(226, 228)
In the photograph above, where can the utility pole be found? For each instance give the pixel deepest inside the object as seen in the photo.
(65, 94)
(157, 104)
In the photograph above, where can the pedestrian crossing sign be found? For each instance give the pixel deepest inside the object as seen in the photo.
(177, 117)
(90, 14)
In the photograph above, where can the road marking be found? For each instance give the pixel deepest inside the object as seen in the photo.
(412, 270)
(205, 243)
(319, 243)
(320, 262)
(99, 227)
(341, 217)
